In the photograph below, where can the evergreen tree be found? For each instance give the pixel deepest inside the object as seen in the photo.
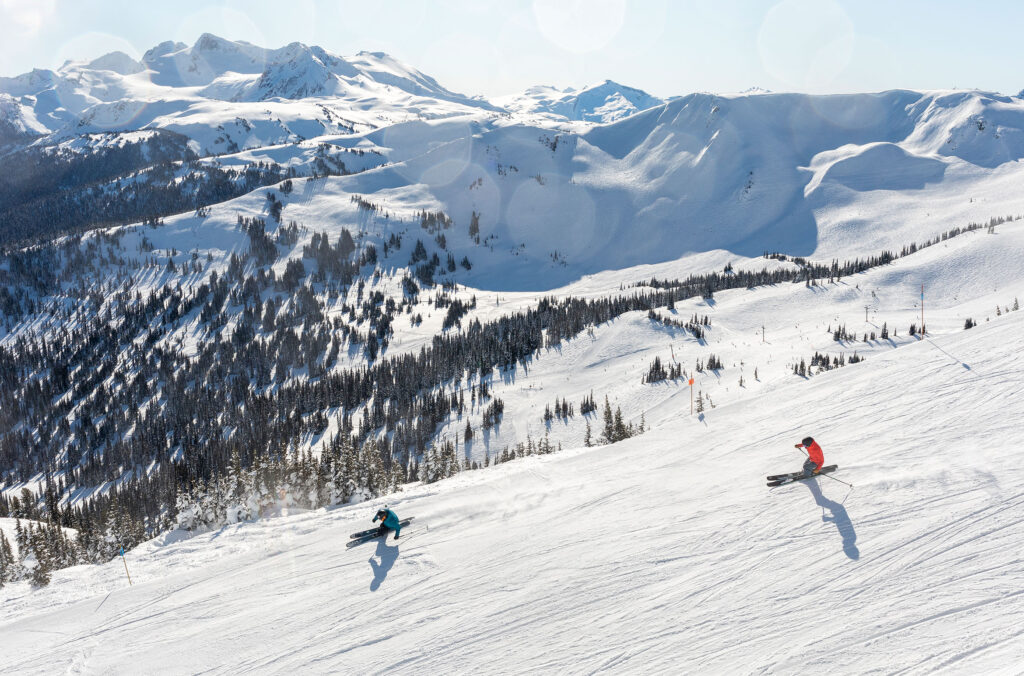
(21, 539)
(7, 561)
(620, 430)
(41, 551)
(609, 422)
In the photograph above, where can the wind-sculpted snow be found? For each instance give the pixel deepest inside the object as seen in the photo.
(884, 166)
(664, 553)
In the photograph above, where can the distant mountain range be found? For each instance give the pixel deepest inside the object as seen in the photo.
(744, 172)
(174, 82)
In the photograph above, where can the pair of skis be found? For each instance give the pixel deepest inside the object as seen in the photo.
(372, 534)
(781, 479)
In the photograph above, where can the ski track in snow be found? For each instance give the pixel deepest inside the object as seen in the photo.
(664, 553)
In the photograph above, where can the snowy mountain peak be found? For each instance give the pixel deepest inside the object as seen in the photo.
(389, 71)
(235, 53)
(16, 120)
(610, 101)
(118, 62)
(177, 65)
(165, 48)
(208, 42)
(28, 83)
(603, 103)
(297, 71)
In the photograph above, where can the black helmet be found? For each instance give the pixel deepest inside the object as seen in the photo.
(382, 512)
(807, 441)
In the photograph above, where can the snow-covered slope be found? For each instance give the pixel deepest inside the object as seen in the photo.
(661, 553)
(965, 277)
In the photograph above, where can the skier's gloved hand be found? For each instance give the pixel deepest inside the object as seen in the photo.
(798, 446)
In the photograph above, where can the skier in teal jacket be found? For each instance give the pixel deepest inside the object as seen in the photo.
(389, 522)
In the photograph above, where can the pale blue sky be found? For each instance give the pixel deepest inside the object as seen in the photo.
(665, 47)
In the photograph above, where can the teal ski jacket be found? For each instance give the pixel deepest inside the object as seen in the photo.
(391, 521)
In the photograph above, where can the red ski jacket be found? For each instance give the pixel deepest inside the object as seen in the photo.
(815, 453)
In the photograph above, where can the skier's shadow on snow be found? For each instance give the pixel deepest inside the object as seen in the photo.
(388, 556)
(839, 516)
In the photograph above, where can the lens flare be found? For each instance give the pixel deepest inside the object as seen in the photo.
(806, 43)
(433, 153)
(579, 26)
(201, 65)
(27, 17)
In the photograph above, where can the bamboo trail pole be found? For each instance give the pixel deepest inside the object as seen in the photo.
(125, 562)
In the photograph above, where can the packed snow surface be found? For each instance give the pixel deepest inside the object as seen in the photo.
(665, 552)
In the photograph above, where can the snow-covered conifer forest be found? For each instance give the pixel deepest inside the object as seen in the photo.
(249, 296)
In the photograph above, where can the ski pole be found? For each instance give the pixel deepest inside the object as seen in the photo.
(835, 479)
(125, 566)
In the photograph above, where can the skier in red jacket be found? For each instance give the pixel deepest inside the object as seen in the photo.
(815, 456)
